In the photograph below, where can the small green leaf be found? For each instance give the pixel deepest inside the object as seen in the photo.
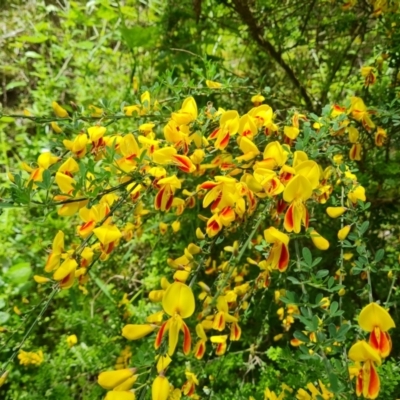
(4, 317)
(19, 273)
(334, 307)
(363, 228)
(301, 336)
(40, 38)
(307, 255)
(332, 331)
(331, 282)
(15, 84)
(139, 36)
(293, 280)
(321, 273)
(379, 255)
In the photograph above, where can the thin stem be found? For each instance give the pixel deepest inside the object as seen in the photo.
(238, 257)
(298, 263)
(341, 255)
(43, 310)
(390, 290)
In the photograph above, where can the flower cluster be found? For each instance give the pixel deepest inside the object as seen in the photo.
(28, 358)
(247, 180)
(368, 355)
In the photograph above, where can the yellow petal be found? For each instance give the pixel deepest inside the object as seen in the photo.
(160, 388)
(134, 332)
(291, 132)
(342, 234)
(273, 235)
(40, 279)
(120, 395)
(298, 188)
(126, 385)
(107, 234)
(373, 315)
(310, 170)
(335, 212)
(110, 379)
(319, 242)
(163, 362)
(68, 266)
(65, 182)
(179, 298)
(58, 110)
(213, 85)
(362, 351)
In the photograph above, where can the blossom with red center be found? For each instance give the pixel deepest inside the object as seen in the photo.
(279, 254)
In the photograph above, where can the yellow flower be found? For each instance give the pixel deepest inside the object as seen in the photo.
(120, 395)
(134, 332)
(160, 388)
(72, 340)
(319, 242)
(176, 226)
(30, 358)
(380, 137)
(375, 319)
(58, 110)
(213, 85)
(178, 302)
(120, 380)
(3, 378)
(342, 234)
(257, 99)
(335, 212)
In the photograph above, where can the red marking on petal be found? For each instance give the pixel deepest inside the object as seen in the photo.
(306, 217)
(201, 349)
(224, 142)
(158, 198)
(187, 339)
(214, 134)
(168, 204)
(289, 218)
(374, 382)
(208, 185)
(216, 202)
(160, 335)
(284, 258)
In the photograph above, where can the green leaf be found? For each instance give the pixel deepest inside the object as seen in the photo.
(32, 54)
(4, 317)
(334, 307)
(379, 255)
(334, 384)
(19, 273)
(321, 273)
(2, 303)
(85, 45)
(15, 84)
(102, 286)
(307, 255)
(341, 333)
(293, 280)
(40, 38)
(301, 336)
(332, 330)
(139, 36)
(331, 282)
(7, 120)
(363, 228)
